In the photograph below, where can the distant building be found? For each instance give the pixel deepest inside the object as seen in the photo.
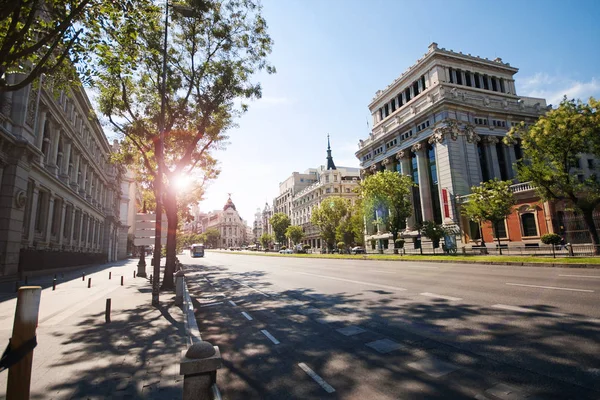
(257, 225)
(328, 181)
(228, 223)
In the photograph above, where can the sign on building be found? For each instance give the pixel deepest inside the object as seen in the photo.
(145, 232)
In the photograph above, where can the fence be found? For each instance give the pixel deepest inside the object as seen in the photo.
(578, 250)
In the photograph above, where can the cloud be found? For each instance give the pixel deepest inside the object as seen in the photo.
(554, 87)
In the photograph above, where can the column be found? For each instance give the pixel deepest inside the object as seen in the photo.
(61, 229)
(510, 159)
(424, 182)
(403, 97)
(387, 164)
(489, 80)
(404, 157)
(40, 129)
(34, 207)
(80, 229)
(50, 217)
(412, 92)
(472, 74)
(66, 162)
(481, 78)
(463, 77)
(447, 74)
(54, 153)
(75, 176)
(82, 185)
(491, 156)
(72, 229)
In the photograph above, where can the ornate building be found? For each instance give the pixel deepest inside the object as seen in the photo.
(442, 123)
(61, 197)
(328, 181)
(229, 223)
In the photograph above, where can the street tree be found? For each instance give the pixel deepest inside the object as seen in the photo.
(387, 195)
(265, 240)
(554, 147)
(433, 232)
(491, 202)
(280, 222)
(294, 233)
(351, 229)
(212, 237)
(58, 37)
(328, 216)
(175, 123)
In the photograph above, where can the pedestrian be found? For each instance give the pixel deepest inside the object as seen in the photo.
(562, 243)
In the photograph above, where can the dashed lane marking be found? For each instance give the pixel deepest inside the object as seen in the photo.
(439, 296)
(248, 317)
(271, 337)
(328, 388)
(546, 313)
(357, 282)
(551, 287)
(248, 286)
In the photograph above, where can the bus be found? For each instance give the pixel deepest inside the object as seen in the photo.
(197, 250)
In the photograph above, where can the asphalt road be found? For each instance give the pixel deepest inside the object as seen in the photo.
(318, 328)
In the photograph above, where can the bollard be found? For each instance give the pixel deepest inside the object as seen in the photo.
(89, 283)
(122, 280)
(151, 279)
(26, 320)
(83, 277)
(179, 282)
(199, 366)
(54, 284)
(134, 274)
(109, 275)
(107, 312)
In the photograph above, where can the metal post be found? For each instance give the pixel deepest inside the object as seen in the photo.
(142, 263)
(109, 275)
(89, 283)
(54, 284)
(26, 321)
(107, 312)
(122, 280)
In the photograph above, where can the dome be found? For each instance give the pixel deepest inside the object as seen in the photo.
(229, 204)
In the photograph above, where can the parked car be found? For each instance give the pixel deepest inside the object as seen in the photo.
(286, 251)
(358, 250)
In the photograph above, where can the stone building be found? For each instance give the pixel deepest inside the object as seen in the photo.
(442, 123)
(61, 197)
(329, 181)
(229, 224)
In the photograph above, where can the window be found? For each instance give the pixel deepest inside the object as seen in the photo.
(459, 77)
(474, 229)
(477, 80)
(502, 162)
(407, 95)
(336, 190)
(494, 84)
(502, 85)
(423, 83)
(386, 110)
(451, 73)
(498, 123)
(590, 163)
(483, 162)
(393, 103)
(433, 180)
(335, 178)
(468, 79)
(40, 217)
(327, 179)
(415, 87)
(500, 230)
(486, 85)
(400, 100)
(529, 225)
(481, 121)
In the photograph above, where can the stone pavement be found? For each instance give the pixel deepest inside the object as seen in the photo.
(79, 356)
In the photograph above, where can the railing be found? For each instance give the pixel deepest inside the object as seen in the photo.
(521, 187)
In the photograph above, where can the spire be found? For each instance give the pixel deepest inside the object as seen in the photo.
(330, 164)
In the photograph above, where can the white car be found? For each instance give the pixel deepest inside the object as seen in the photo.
(286, 251)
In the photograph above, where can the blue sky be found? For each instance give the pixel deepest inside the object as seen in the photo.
(333, 55)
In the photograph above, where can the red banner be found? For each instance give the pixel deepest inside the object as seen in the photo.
(446, 206)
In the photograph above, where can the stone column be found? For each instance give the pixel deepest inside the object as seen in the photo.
(491, 156)
(80, 229)
(50, 217)
(472, 75)
(75, 176)
(82, 185)
(61, 229)
(388, 165)
(72, 230)
(87, 231)
(404, 157)
(34, 207)
(510, 160)
(424, 182)
(463, 77)
(52, 166)
(66, 161)
(40, 129)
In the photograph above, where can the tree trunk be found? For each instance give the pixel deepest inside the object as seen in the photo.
(171, 211)
(497, 236)
(394, 237)
(588, 218)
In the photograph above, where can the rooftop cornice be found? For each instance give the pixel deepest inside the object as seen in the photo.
(433, 50)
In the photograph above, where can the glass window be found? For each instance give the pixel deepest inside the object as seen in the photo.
(529, 225)
(450, 72)
(500, 230)
(459, 77)
(468, 79)
(483, 162)
(477, 80)
(502, 162)
(474, 229)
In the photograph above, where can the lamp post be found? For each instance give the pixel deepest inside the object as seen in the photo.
(160, 147)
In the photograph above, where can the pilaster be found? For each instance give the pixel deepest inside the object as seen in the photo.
(491, 156)
(424, 182)
(61, 228)
(50, 215)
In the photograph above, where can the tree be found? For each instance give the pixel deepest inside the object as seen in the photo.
(351, 228)
(58, 37)
(491, 202)
(553, 239)
(265, 240)
(553, 148)
(328, 216)
(387, 195)
(433, 232)
(280, 222)
(294, 233)
(212, 237)
(173, 124)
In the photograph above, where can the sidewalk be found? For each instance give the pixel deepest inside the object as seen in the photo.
(79, 356)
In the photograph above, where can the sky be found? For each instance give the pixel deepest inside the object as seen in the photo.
(332, 56)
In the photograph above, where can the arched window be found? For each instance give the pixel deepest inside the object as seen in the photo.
(529, 225)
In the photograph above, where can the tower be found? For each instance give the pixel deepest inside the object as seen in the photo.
(330, 163)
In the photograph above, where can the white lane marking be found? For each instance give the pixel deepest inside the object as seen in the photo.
(584, 276)
(271, 337)
(232, 303)
(439, 296)
(551, 287)
(248, 317)
(256, 290)
(548, 313)
(328, 388)
(211, 304)
(351, 281)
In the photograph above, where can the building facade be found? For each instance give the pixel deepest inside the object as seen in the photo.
(329, 181)
(229, 224)
(61, 197)
(442, 123)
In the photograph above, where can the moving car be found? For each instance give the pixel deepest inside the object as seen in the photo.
(358, 250)
(286, 251)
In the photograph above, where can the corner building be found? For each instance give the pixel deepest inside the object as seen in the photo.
(442, 123)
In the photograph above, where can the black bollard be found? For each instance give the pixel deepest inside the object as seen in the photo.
(107, 313)
(122, 280)
(54, 284)
(110, 275)
(83, 277)
(134, 274)
(89, 283)
(151, 279)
